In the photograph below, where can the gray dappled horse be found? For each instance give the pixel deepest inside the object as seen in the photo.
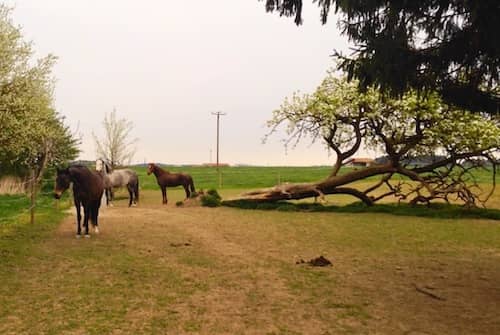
(118, 178)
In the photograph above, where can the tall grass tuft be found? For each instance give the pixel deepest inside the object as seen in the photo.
(11, 185)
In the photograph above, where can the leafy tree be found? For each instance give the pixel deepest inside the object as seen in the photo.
(116, 147)
(444, 46)
(32, 134)
(345, 119)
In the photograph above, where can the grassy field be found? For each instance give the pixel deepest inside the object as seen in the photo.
(239, 177)
(237, 180)
(17, 235)
(158, 269)
(249, 177)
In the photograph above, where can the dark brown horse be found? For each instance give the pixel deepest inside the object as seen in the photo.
(88, 188)
(165, 178)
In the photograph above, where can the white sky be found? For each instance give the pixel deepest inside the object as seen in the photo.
(166, 65)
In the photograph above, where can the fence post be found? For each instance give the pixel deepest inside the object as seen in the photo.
(33, 197)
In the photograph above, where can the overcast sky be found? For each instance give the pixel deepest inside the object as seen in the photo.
(166, 65)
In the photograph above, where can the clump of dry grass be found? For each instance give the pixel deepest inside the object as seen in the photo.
(11, 185)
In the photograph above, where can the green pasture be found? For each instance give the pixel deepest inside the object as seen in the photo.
(158, 269)
(237, 273)
(239, 177)
(236, 180)
(251, 177)
(17, 235)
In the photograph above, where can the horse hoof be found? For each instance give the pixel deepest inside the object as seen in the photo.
(96, 230)
(78, 236)
(111, 205)
(87, 236)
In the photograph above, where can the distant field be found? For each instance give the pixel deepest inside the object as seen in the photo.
(257, 176)
(240, 177)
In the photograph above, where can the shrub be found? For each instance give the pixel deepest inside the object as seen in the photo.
(213, 192)
(209, 200)
(179, 203)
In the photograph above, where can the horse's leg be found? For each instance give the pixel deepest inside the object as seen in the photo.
(111, 196)
(186, 188)
(107, 196)
(130, 189)
(136, 192)
(78, 218)
(86, 214)
(164, 193)
(107, 193)
(95, 216)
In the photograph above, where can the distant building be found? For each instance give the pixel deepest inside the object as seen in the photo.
(360, 162)
(215, 164)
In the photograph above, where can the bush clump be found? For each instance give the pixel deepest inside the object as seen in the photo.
(211, 199)
(179, 203)
(213, 192)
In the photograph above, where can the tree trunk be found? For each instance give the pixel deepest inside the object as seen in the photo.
(331, 185)
(32, 196)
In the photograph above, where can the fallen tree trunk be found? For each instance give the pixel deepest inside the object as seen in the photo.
(331, 185)
(300, 191)
(439, 186)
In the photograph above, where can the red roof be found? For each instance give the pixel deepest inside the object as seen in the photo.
(360, 160)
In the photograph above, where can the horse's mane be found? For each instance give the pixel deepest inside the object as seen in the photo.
(79, 166)
(79, 169)
(157, 166)
(107, 167)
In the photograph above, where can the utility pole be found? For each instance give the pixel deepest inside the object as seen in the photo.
(218, 114)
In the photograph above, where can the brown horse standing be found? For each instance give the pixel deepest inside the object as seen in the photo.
(165, 178)
(88, 188)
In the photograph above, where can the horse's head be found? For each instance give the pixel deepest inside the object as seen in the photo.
(99, 165)
(63, 180)
(151, 168)
(102, 166)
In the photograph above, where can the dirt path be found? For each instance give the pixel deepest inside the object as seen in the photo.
(238, 271)
(167, 270)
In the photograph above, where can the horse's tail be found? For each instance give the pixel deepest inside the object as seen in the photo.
(191, 184)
